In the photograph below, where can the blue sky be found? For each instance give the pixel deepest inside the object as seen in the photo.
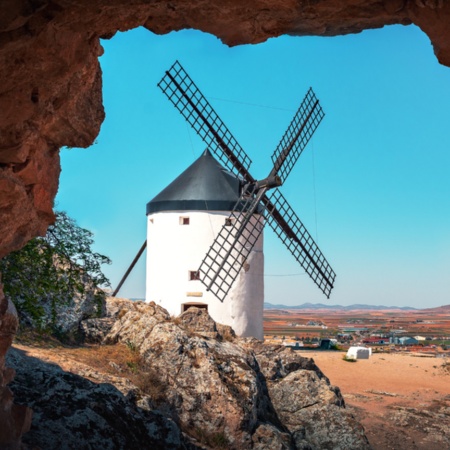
(372, 187)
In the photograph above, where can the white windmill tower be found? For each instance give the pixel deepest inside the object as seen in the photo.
(182, 222)
(205, 228)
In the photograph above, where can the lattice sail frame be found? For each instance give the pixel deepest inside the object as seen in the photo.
(193, 106)
(232, 246)
(303, 248)
(298, 134)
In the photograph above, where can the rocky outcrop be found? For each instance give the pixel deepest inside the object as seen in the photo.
(240, 392)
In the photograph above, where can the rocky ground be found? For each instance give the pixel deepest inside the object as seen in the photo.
(157, 382)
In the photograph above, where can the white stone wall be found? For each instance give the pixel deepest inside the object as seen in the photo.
(174, 249)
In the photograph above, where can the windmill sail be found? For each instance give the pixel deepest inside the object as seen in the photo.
(232, 246)
(289, 228)
(299, 132)
(191, 103)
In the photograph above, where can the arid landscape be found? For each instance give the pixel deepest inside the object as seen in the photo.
(402, 400)
(401, 394)
(318, 322)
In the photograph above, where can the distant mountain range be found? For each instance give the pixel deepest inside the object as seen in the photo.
(445, 309)
(337, 307)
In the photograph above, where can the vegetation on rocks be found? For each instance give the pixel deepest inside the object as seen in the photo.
(55, 277)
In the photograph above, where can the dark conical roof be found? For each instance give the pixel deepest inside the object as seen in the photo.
(204, 185)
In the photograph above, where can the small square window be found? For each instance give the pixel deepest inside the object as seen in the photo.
(184, 220)
(194, 275)
(228, 222)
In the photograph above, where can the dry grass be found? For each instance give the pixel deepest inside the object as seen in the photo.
(150, 383)
(215, 440)
(120, 360)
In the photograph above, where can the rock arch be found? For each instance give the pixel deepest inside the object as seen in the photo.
(50, 87)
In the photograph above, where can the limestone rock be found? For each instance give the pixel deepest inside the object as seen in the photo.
(311, 409)
(135, 322)
(196, 391)
(95, 330)
(243, 392)
(312, 412)
(115, 306)
(268, 437)
(72, 412)
(196, 321)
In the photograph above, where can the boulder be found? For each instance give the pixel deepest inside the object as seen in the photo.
(95, 330)
(246, 392)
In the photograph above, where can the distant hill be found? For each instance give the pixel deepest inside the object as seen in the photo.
(445, 309)
(340, 307)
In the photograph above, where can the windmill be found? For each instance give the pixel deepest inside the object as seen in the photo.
(257, 202)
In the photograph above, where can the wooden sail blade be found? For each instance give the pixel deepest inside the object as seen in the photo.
(289, 228)
(231, 248)
(302, 127)
(193, 106)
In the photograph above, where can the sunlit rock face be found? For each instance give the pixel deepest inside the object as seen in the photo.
(50, 77)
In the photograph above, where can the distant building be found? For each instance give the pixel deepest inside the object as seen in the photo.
(294, 345)
(407, 340)
(359, 353)
(327, 344)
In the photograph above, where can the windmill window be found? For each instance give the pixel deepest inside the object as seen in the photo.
(150, 220)
(194, 275)
(184, 220)
(228, 222)
(186, 306)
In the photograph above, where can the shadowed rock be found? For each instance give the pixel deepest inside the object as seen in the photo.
(71, 412)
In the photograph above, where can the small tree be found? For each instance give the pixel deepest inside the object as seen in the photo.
(50, 271)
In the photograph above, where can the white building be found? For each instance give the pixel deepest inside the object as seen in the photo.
(182, 222)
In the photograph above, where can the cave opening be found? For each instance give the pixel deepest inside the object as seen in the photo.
(372, 184)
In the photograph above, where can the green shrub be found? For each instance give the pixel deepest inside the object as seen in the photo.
(50, 271)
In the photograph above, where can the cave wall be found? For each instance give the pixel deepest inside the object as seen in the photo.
(50, 90)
